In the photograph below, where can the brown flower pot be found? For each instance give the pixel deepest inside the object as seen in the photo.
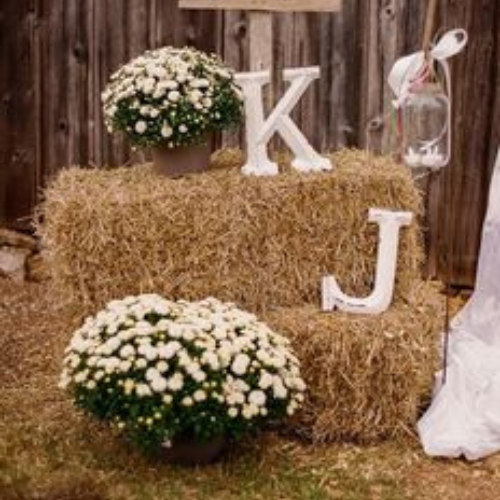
(187, 451)
(175, 162)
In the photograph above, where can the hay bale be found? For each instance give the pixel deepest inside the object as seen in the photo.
(260, 242)
(368, 376)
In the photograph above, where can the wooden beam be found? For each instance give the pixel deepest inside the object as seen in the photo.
(264, 5)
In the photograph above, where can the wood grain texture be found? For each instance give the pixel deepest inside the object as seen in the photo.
(464, 183)
(265, 5)
(18, 172)
(57, 55)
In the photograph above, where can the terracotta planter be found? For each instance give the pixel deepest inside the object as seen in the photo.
(175, 162)
(187, 451)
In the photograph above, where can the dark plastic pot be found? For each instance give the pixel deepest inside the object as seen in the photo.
(185, 450)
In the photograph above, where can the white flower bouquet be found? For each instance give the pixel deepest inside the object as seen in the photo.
(172, 96)
(158, 370)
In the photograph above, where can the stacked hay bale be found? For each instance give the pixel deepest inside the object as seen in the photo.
(260, 242)
(263, 243)
(368, 376)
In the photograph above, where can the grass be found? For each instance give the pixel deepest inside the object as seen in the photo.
(50, 452)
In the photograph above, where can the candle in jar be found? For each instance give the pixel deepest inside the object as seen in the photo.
(412, 158)
(432, 158)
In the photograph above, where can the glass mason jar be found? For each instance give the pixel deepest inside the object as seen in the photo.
(426, 127)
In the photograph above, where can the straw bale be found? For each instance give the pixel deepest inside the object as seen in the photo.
(260, 242)
(368, 376)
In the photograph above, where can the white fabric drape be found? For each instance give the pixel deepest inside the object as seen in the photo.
(464, 418)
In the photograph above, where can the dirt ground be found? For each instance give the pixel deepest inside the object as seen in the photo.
(48, 451)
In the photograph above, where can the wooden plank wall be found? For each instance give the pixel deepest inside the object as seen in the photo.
(19, 175)
(56, 56)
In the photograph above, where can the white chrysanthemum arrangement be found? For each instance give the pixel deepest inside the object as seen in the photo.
(172, 96)
(159, 369)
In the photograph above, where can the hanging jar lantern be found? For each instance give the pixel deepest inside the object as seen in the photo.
(424, 103)
(425, 118)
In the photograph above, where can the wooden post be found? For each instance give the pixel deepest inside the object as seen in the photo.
(260, 20)
(260, 32)
(260, 24)
(260, 28)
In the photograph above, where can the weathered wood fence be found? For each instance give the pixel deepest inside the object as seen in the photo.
(56, 56)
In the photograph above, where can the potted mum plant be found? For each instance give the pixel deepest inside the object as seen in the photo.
(185, 378)
(171, 100)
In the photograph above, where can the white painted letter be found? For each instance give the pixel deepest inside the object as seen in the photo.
(259, 132)
(380, 299)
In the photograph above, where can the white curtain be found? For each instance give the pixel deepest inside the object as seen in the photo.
(464, 418)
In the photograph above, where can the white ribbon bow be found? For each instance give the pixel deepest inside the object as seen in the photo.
(409, 69)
